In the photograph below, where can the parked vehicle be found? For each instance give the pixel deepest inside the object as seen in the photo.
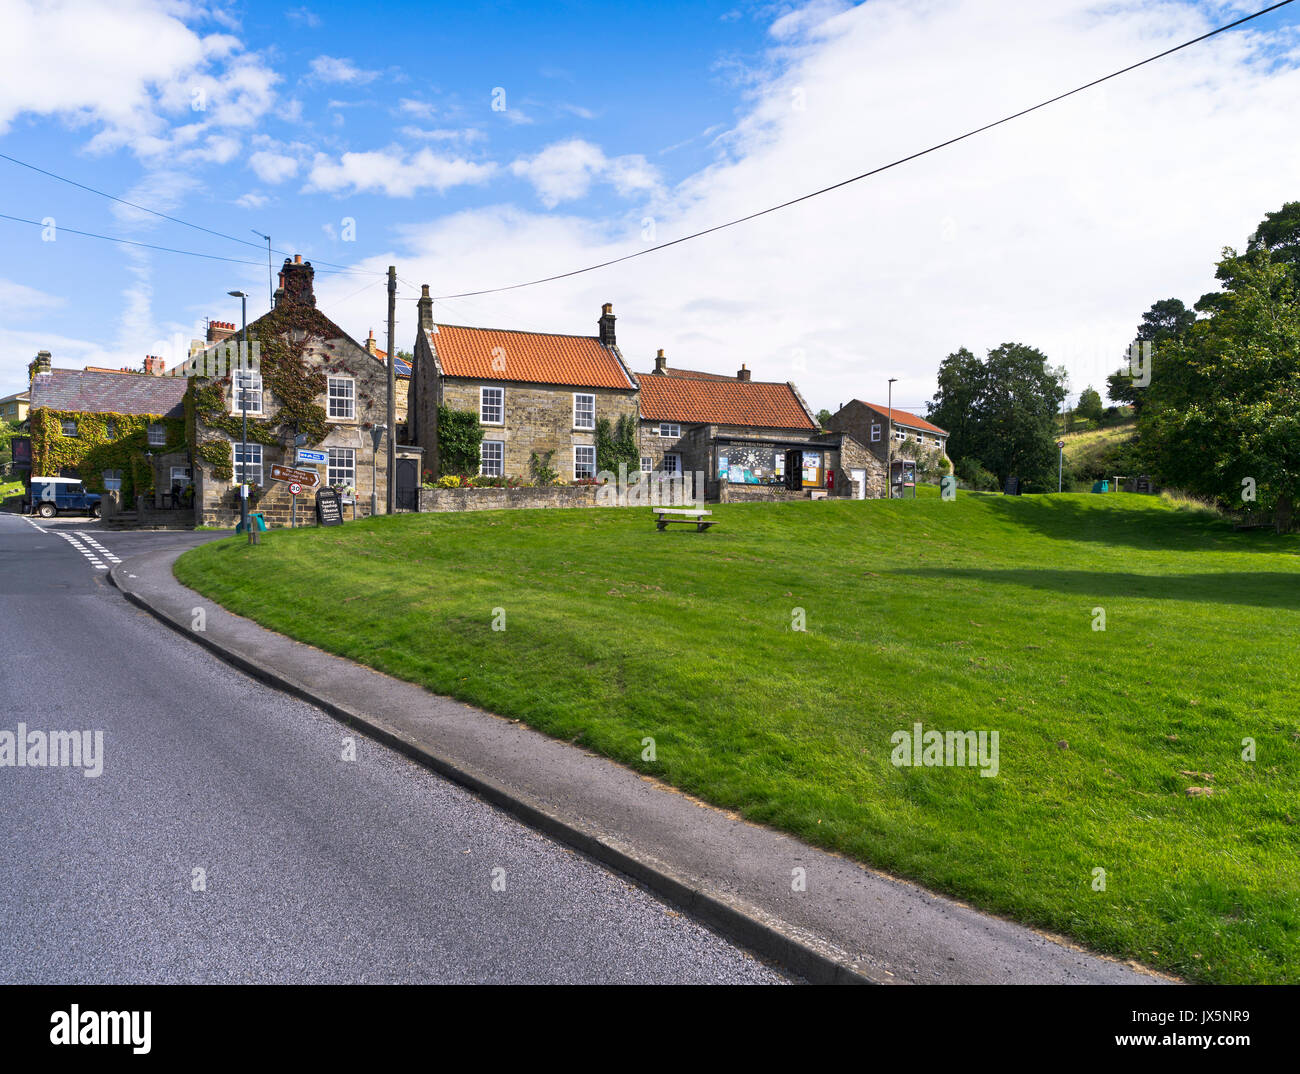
(52, 496)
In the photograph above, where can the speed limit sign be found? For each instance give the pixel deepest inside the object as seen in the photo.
(295, 488)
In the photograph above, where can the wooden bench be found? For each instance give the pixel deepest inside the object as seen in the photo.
(665, 515)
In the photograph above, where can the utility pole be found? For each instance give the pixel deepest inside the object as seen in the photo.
(392, 388)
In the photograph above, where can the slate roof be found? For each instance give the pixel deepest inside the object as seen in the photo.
(109, 393)
(533, 357)
(718, 400)
(902, 417)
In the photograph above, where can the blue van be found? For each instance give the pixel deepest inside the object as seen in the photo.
(52, 496)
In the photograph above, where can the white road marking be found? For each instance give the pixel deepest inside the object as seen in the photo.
(97, 546)
(72, 540)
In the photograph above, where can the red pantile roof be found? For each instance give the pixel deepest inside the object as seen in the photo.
(535, 357)
(697, 374)
(721, 401)
(902, 417)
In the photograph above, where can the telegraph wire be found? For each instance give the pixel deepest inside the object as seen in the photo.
(152, 246)
(165, 216)
(883, 168)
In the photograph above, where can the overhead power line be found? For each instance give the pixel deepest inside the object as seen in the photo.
(166, 216)
(883, 168)
(152, 246)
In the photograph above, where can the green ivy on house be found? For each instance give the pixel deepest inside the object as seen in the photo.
(618, 444)
(460, 437)
(289, 387)
(93, 450)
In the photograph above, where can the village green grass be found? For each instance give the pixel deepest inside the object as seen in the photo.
(966, 615)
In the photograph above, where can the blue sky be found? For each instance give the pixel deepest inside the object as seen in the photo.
(364, 136)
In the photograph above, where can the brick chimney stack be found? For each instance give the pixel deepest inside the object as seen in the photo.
(661, 362)
(371, 345)
(606, 324)
(153, 365)
(220, 330)
(295, 288)
(39, 364)
(425, 306)
(742, 373)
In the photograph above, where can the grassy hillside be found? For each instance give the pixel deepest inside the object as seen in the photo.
(978, 614)
(1100, 453)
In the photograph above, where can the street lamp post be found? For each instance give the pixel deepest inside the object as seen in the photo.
(243, 407)
(889, 443)
(1060, 464)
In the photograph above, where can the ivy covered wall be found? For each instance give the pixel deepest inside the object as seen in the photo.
(104, 441)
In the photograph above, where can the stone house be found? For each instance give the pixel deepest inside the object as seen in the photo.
(536, 395)
(900, 436)
(15, 407)
(308, 378)
(752, 439)
(118, 431)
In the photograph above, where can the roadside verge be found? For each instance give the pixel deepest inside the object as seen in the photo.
(824, 917)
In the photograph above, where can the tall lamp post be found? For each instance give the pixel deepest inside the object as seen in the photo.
(1060, 464)
(243, 406)
(889, 443)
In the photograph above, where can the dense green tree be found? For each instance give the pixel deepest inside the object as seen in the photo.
(961, 383)
(823, 416)
(1279, 234)
(1090, 404)
(1223, 407)
(1165, 320)
(1001, 412)
(1017, 413)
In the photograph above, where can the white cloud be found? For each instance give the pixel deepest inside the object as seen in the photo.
(58, 61)
(336, 69)
(444, 134)
(565, 171)
(251, 200)
(303, 16)
(273, 167)
(17, 299)
(412, 107)
(1057, 230)
(391, 172)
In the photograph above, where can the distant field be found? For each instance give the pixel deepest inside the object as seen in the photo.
(971, 615)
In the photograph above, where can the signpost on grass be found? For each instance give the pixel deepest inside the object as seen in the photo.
(329, 509)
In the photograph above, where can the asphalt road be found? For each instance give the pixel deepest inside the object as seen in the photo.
(315, 868)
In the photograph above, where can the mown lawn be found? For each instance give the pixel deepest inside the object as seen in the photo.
(971, 615)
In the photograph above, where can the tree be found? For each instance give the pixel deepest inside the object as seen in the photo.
(1223, 409)
(1090, 404)
(1016, 414)
(1279, 234)
(1000, 412)
(1166, 320)
(823, 416)
(961, 382)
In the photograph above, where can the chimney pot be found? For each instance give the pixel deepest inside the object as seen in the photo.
(425, 308)
(606, 324)
(660, 362)
(296, 279)
(742, 373)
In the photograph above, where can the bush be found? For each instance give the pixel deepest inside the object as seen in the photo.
(539, 466)
(974, 476)
(460, 437)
